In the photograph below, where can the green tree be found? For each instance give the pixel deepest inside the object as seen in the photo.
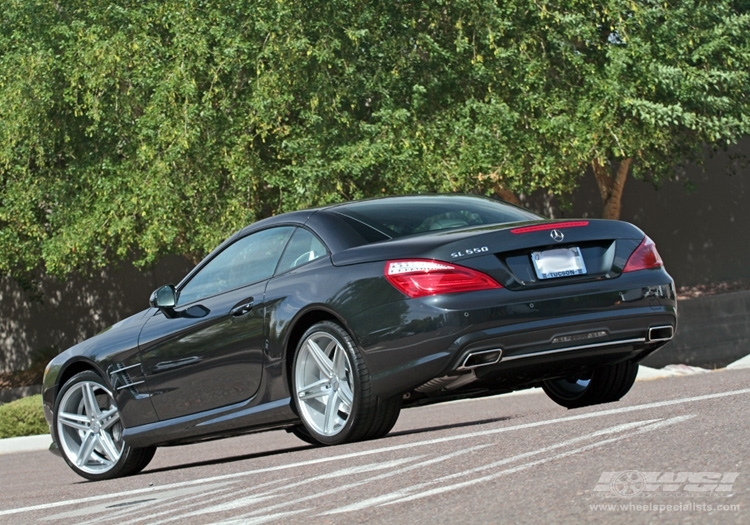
(134, 129)
(661, 82)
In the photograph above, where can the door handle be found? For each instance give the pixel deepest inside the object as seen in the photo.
(241, 309)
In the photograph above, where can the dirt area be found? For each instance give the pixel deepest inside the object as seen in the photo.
(30, 377)
(690, 292)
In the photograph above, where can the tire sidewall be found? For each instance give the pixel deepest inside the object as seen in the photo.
(607, 384)
(346, 342)
(127, 451)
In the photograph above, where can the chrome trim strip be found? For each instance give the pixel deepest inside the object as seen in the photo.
(572, 348)
(118, 370)
(129, 385)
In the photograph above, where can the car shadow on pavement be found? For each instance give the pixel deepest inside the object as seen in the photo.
(446, 427)
(228, 459)
(271, 453)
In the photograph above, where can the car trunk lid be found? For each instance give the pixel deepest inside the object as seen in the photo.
(521, 255)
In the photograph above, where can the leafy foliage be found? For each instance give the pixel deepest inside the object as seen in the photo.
(23, 417)
(140, 128)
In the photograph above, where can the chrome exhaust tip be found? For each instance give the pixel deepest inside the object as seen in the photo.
(660, 333)
(481, 358)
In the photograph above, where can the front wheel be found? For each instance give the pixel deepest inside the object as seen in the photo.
(332, 391)
(88, 430)
(602, 385)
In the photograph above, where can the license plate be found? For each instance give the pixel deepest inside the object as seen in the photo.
(560, 262)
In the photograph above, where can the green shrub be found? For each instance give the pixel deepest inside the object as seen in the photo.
(24, 417)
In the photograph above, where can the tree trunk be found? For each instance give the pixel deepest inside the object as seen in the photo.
(507, 195)
(611, 186)
(499, 187)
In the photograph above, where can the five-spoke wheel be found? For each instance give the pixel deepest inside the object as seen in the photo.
(332, 391)
(325, 386)
(88, 431)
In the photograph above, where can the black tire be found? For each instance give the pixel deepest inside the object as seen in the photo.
(385, 418)
(301, 432)
(332, 392)
(87, 428)
(603, 385)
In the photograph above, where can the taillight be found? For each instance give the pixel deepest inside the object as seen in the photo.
(422, 277)
(644, 257)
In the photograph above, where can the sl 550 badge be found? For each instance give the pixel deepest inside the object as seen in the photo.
(470, 251)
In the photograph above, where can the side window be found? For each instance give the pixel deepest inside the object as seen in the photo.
(304, 247)
(248, 260)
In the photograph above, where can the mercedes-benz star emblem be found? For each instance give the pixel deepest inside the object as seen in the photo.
(556, 235)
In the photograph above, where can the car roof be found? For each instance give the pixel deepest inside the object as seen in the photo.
(353, 223)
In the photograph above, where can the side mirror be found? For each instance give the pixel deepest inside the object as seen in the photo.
(164, 298)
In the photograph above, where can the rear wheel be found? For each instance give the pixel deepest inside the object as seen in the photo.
(602, 385)
(88, 430)
(332, 391)
(385, 418)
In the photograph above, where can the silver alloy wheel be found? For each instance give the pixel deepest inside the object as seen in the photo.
(324, 385)
(89, 428)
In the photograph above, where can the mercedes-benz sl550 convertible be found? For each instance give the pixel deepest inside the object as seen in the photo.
(327, 322)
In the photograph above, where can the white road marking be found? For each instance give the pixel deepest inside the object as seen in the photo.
(349, 486)
(524, 426)
(404, 492)
(107, 507)
(264, 519)
(181, 497)
(235, 503)
(102, 513)
(525, 466)
(343, 474)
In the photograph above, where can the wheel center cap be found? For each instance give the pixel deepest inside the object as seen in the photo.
(335, 384)
(96, 427)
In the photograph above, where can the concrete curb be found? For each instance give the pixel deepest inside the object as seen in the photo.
(742, 363)
(25, 444)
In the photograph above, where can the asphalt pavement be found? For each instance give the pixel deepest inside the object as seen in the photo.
(35, 443)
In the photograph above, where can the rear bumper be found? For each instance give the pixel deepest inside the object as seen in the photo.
(517, 338)
(635, 328)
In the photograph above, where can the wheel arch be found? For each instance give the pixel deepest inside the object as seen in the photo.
(75, 368)
(298, 329)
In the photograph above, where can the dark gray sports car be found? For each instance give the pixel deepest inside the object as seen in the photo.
(326, 322)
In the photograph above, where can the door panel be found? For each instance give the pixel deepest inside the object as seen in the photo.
(208, 351)
(193, 364)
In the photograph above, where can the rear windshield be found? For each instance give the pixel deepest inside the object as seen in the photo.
(398, 217)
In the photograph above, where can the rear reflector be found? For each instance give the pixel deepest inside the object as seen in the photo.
(644, 257)
(549, 226)
(423, 277)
